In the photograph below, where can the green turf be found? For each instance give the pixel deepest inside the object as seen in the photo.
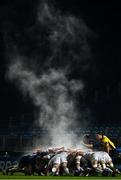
(2, 177)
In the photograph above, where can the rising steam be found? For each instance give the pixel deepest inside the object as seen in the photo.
(61, 45)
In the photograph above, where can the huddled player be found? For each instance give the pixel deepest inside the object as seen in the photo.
(61, 161)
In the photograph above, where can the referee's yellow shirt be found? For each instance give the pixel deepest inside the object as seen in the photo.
(105, 140)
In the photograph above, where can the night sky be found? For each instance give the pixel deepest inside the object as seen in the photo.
(102, 79)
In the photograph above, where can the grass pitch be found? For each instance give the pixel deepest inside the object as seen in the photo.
(19, 177)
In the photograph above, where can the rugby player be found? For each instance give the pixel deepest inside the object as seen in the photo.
(107, 145)
(58, 161)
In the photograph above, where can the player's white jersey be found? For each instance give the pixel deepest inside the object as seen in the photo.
(101, 156)
(59, 158)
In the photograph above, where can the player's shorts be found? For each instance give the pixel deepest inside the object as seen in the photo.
(63, 157)
(54, 160)
(58, 159)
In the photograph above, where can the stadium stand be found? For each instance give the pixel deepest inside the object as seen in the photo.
(18, 135)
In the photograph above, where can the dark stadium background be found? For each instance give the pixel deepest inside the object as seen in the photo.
(103, 80)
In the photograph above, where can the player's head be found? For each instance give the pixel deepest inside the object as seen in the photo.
(86, 138)
(99, 135)
(50, 150)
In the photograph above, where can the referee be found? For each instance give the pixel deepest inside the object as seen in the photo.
(106, 143)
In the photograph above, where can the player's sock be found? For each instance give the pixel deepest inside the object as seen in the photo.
(107, 172)
(66, 170)
(78, 167)
(54, 171)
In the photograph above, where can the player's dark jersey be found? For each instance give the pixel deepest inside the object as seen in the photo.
(24, 161)
(32, 159)
(44, 153)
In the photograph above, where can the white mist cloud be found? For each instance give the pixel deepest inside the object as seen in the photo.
(61, 45)
(51, 93)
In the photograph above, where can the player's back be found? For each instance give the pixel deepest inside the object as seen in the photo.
(101, 156)
(88, 155)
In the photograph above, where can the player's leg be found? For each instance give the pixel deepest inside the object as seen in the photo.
(55, 169)
(78, 167)
(65, 168)
(63, 159)
(56, 165)
(97, 169)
